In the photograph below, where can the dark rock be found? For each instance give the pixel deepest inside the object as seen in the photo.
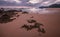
(24, 12)
(31, 21)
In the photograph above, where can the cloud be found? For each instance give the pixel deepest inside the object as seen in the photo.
(49, 2)
(14, 2)
(57, 0)
(9, 2)
(46, 3)
(25, 1)
(33, 3)
(17, 1)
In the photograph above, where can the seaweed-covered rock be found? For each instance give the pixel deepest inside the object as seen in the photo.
(5, 16)
(31, 21)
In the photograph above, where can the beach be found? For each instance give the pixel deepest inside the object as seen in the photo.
(51, 22)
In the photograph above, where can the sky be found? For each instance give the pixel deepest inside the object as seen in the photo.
(34, 3)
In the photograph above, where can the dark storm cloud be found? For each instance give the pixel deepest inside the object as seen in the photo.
(7, 3)
(24, 3)
(24, 0)
(2, 2)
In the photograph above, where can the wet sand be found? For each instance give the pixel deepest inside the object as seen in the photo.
(50, 21)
